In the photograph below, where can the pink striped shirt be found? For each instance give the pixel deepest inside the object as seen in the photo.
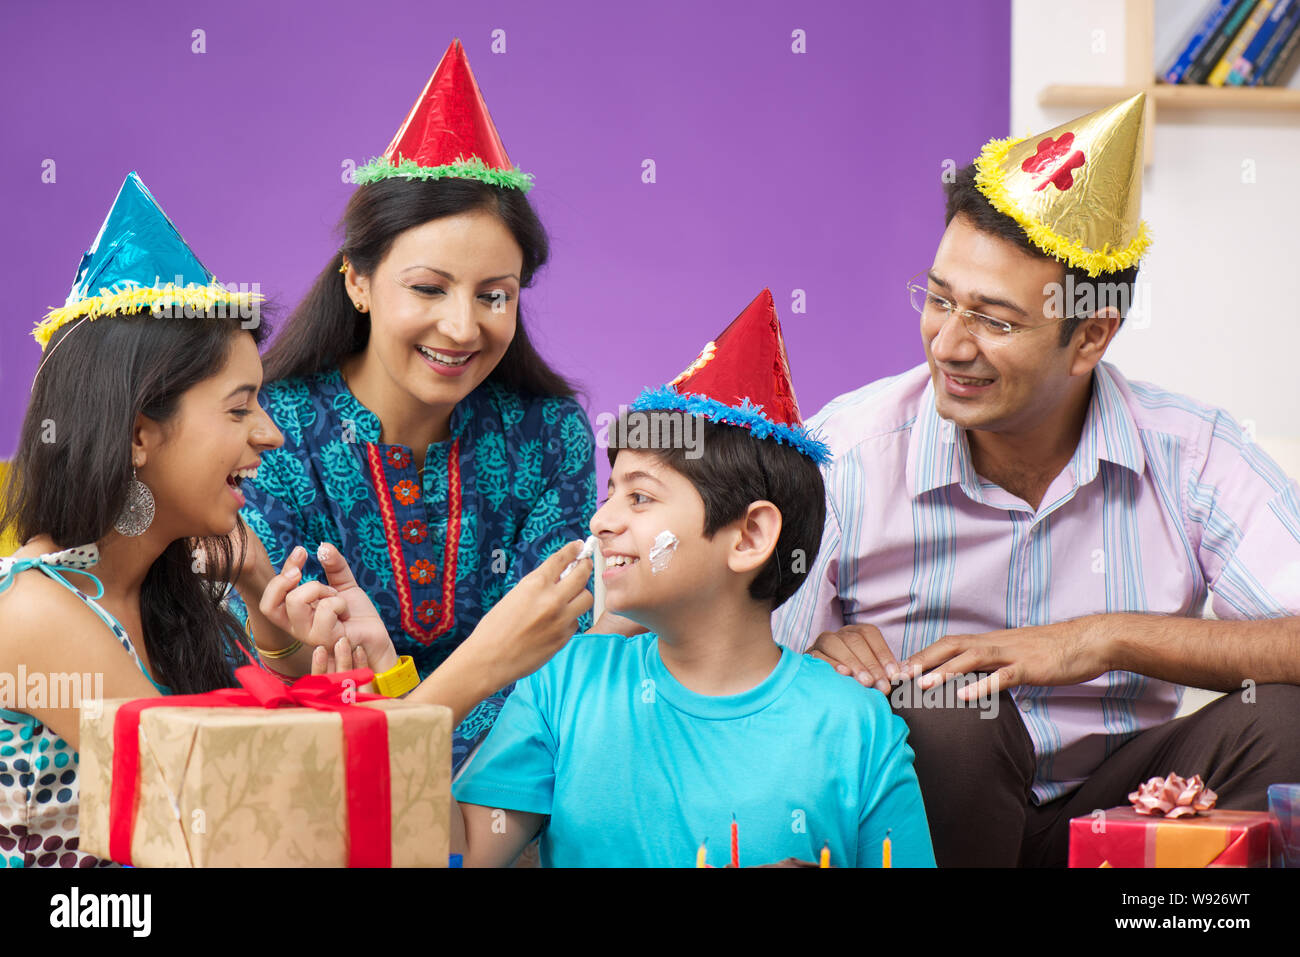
(1163, 501)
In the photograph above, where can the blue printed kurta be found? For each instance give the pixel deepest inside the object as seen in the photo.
(515, 482)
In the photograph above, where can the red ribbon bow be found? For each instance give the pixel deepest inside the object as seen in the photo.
(365, 752)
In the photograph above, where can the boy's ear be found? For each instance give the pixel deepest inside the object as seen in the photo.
(756, 537)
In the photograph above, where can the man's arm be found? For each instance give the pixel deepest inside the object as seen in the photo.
(1218, 655)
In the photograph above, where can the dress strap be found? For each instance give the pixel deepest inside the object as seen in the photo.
(56, 565)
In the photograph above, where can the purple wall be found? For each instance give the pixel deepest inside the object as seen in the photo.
(818, 171)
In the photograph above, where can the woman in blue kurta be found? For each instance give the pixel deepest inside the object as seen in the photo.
(511, 485)
(425, 438)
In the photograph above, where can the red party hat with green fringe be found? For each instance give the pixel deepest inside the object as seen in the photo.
(448, 134)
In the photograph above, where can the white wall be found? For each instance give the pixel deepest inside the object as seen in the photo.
(1223, 272)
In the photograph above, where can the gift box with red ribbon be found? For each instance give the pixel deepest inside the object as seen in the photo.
(315, 774)
(1121, 837)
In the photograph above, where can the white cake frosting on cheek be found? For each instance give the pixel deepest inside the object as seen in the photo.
(661, 552)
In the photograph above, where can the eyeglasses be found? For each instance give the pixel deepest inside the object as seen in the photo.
(987, 328)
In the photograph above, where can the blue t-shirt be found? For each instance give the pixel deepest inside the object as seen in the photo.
(635, 770)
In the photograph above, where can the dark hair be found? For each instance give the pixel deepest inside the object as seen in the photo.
(90, 390)
(326, 327)
(734, 470)
(1116, 288)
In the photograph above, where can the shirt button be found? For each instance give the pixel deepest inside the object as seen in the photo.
(1026, 705)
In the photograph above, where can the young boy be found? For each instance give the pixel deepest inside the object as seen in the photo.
(637, 751)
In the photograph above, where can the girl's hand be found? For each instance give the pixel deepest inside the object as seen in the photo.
(343, 657)
(316, 613)
(535, 619)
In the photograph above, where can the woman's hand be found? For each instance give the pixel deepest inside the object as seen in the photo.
(317, 613)
(534, 620)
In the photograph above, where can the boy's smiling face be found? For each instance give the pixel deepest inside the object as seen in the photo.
(646, 498)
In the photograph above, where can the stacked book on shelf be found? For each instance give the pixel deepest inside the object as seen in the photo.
(1240, 43)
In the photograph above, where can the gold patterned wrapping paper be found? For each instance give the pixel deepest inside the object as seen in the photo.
(256, 787)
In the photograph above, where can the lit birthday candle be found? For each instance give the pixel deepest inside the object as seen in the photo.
(701, 854)
(826, 854)
(887, 851)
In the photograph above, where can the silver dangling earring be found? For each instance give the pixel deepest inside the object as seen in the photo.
(137, 513)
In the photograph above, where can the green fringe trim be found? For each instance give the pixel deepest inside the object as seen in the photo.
(472, 168)
(142, 297)
(991, 181)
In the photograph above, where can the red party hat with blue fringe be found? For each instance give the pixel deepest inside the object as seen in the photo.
(743, 378)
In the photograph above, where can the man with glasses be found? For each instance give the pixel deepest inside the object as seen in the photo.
(1020, 542)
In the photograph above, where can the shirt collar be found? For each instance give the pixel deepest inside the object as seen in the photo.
(1109, 431)
(939, 453)
(366, 424)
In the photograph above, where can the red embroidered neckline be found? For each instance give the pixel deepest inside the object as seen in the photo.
(393, 538)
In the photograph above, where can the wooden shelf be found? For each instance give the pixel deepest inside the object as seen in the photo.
(1140, 76)
(1167, 96)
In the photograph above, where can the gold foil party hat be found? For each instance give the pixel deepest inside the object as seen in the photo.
(1076, 190)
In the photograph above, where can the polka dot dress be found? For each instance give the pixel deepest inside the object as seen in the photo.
(38, 799)
(39, 795)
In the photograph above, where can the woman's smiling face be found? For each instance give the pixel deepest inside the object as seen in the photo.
(190, 462)
(443, 305)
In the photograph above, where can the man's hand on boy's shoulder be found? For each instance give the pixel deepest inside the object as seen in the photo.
(860, 652)
(1061, 653)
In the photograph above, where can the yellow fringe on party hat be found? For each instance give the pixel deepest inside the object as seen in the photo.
(200, 298)
(1075, 190)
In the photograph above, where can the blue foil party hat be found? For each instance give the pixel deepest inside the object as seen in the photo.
(138, 261)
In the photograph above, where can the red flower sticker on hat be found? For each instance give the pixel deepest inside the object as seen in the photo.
(1051, 156)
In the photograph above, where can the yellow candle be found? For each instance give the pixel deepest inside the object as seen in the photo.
(887, 851)
(826, 854)
(699, 855)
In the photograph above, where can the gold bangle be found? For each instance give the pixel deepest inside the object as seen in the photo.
(399, 679)
(282, 653)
